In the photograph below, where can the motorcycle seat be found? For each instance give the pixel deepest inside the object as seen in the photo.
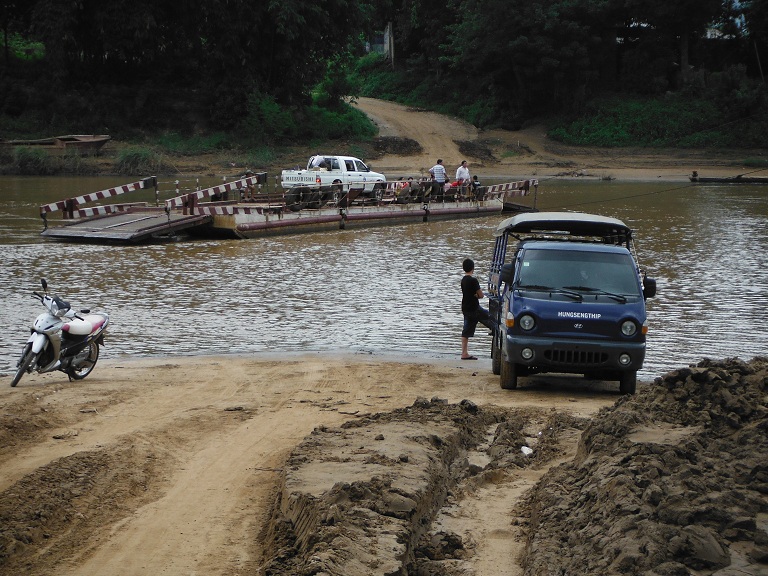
(78, 327)
(84, 326)
(96, 320)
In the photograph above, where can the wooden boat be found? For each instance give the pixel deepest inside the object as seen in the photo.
(83, 143)
(728, 180)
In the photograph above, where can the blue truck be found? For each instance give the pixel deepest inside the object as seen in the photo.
(569, 299)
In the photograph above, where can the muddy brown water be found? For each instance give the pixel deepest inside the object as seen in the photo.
(388, 290)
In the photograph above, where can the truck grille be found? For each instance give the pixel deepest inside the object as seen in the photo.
(586, 358)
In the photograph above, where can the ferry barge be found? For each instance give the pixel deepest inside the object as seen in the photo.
(229, 210)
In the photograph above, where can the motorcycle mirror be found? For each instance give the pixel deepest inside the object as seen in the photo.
(44, 283)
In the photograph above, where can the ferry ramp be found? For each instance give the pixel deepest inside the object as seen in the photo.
(128, 227)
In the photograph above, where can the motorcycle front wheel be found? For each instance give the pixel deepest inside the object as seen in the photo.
(86, 366)
(27, 360)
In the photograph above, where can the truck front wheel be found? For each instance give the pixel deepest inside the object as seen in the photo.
(628, 382)
(496, 352)
(508, 376)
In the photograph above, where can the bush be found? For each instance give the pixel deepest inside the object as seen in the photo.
(670, 121)
(30, 161)
(22, 48)
(267, 121)
(334, 125)
(36, 161)
(139, 161)
(339, 82)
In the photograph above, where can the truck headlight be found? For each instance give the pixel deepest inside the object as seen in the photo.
(628, 328)
(527, 322)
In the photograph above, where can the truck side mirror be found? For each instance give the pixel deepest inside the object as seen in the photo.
(507, 273)
(649, 287)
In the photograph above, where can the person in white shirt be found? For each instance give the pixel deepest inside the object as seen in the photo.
(462, 173)
(439, 176)
(462, 177)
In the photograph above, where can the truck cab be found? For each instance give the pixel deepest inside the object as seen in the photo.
(570, 298)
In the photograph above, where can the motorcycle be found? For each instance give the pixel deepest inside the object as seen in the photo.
(61, 339)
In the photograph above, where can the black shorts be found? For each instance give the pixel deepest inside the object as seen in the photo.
(472, 318)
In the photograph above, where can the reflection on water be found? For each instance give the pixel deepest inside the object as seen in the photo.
(390, 289)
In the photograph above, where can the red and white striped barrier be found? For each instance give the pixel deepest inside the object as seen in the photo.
(71, 203)
(510, 189)
(179, 201)
(101, 210)
(229, 210)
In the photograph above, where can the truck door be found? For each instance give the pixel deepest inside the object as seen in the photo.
(361, 173)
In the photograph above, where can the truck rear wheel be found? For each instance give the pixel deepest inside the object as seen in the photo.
(295, 198)
(628, 382)
(314, 199)
(508, 377)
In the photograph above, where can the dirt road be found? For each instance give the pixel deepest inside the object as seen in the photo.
(172, 466)
(435, 133)
(529, 153)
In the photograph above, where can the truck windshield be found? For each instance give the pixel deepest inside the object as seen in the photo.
(595, 272)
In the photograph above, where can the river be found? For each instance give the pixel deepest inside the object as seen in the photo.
(388, 290)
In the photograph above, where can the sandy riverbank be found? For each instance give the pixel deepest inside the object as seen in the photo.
(287, 464)
(512, 155)
(530, 153)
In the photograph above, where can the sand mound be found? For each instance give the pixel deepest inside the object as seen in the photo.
(670, 480)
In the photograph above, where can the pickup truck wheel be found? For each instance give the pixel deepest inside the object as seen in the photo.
(508, 376)
(496, 352)
(295, 198)
(314, 199)
(628, 382)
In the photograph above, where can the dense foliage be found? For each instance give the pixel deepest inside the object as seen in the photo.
(610, 71)
(501, 62)
(125, 65)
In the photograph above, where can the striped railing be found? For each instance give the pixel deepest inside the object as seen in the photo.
(510, 189)
(193, 197)
(69, 206)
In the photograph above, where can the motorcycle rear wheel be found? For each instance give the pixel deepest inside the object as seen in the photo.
(27, 360)
(87, 365)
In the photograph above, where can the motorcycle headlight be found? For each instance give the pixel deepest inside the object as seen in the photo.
(628, 328)
(59, 307)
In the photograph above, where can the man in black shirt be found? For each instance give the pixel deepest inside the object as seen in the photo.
(470, 308)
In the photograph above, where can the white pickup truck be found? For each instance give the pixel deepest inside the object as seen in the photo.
(325, 176)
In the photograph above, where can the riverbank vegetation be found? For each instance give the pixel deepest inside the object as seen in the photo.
(199, 76)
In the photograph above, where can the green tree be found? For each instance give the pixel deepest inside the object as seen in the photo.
(220, 49)
(756, 22)
(677, 22)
